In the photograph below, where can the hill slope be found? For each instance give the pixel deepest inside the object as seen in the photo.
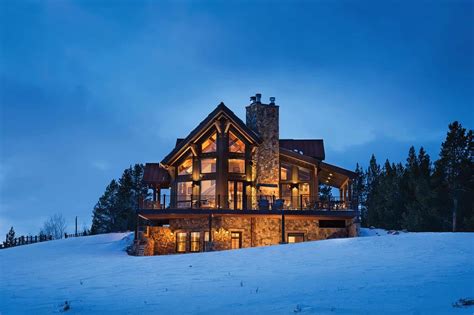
(414, 273)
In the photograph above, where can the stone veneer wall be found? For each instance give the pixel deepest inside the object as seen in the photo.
(255, 231)
(264, 120)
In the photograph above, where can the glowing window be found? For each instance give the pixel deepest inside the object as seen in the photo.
(236, 166)
(195, 241)
(285, 172)
(185, 191)
(235, 144)
(295, 237)
(186, 168)
(208, 194)
(210, 144)
(181, 242)
(208, 165)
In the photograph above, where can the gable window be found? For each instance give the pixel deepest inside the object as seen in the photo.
(304, 174)
(181, 242)
(195, 241)
(235, 144)
(186, 168)
(295, 237)
(208, 193)
(285, 172)
(208, 166)
(210, 145)
(236, 166)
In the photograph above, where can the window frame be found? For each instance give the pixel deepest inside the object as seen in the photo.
(181, 242)
(208, 158)
(236, 159)
(198, 242)
(238, 139)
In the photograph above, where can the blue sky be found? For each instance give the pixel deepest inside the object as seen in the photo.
(90, 87)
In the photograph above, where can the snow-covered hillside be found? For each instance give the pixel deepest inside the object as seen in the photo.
(414, 273)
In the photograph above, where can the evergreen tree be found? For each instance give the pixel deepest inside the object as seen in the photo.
(104, 213)
(125, 203)
(418, 196)
(454, 178)
(325, 192)
(359, 188)
(116, 209)
(371, 216)
(10, 237)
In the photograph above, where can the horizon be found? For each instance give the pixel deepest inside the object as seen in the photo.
(87, 89)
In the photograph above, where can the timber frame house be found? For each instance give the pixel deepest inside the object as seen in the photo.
(232, 184)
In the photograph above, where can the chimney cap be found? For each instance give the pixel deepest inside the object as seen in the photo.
(258, 97)
(272, 100)
(252, 99)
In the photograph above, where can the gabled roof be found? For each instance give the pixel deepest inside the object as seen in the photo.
(156, 175)
(206, 123)
(309, 147)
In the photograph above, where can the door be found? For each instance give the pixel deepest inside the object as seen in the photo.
(235, 195)
(236, 240)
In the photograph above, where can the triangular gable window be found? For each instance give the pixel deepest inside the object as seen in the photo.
(235, 144)
(186, 168)
(209, 145)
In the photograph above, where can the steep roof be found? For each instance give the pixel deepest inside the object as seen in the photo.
(309, 147)
(207, 122)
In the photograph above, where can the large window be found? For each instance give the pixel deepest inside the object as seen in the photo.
(236, 240)
(186, 168)
(295, 237)
(195, 241)
(185, 191)
(237, 166)
(304, 174)
(208, 193)
(181, 242)
(209, 145)
(208, 166)
(235, 144)
(285, 172)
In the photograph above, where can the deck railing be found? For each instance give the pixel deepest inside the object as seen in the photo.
(236, 202)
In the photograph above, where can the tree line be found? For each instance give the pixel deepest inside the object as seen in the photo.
(420, 195)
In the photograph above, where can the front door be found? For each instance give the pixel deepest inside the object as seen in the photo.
(236, 240)
(235, 195)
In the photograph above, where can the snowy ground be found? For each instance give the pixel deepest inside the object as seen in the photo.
(409, 273)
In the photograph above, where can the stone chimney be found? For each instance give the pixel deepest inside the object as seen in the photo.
(263, 119)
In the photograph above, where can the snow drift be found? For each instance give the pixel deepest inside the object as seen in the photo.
(410, 273)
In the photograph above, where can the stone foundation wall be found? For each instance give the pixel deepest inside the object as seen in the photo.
(256, 231)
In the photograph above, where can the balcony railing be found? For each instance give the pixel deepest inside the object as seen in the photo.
(236, 202)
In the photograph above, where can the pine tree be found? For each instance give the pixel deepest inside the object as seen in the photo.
(358, 187)
(453, 177)
(325, 192)
(418, 197)
(372, 216)
(105, 211)
(10, 237)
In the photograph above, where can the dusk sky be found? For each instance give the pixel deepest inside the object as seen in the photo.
(88, 88)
